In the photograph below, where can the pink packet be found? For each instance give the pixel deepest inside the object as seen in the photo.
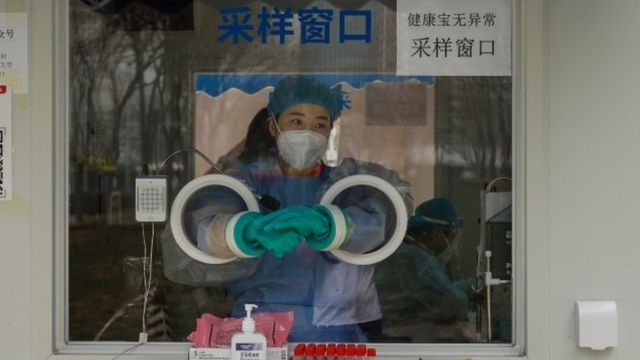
(206, 332)
(212, 331)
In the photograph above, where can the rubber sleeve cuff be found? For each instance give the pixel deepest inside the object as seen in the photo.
(340, 229)
(234, 236)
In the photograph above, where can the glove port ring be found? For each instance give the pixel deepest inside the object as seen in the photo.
(401, 217)
(180, 202)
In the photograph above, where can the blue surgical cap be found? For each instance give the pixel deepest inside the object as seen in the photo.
(294, 90)
(437, 213)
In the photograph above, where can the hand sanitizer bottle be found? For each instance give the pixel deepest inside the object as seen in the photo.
(248, 344)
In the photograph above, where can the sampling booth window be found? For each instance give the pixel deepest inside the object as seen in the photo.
(224, 153)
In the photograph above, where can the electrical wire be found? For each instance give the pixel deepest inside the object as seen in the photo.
(146, 278)
(265, 200)
(146, 282)
(483, 258)
(127, 350)
(480, 263)
(202, 155)
(148, 289)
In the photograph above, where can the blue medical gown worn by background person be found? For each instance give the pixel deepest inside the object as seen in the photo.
(328, 297)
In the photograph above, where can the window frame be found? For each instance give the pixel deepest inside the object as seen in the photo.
(169, 350)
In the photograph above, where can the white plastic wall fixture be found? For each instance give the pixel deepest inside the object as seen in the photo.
(177, 228)
(597, 324)
(401, 217)
(498, 207)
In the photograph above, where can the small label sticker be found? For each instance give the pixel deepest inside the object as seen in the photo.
(454, 38)
(6, 175)
(248, 346)
(14, 51)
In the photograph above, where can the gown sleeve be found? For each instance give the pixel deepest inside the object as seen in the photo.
(369, 212)
(204, 219)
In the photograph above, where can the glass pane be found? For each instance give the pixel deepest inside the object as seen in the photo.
(290, 119)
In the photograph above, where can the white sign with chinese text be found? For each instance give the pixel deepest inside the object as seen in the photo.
(14, 64)
(5, 143)
(454, 37)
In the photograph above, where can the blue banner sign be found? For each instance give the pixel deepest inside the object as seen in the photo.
(240, 24)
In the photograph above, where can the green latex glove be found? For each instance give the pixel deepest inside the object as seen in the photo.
(314, 224)
(278, 241)
(248, 243)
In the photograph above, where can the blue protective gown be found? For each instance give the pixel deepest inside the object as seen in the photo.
(329, 298)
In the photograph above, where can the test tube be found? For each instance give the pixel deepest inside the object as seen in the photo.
(351, 351)
(361, 351)
(310, 351)
(331, 352)
(341, 352)
(371, 353)
(320, 351)
(298, 352)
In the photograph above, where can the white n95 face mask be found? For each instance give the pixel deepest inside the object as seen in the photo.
(301, 149)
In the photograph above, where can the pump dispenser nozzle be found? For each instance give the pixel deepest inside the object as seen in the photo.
(248, 324)
(248, 344)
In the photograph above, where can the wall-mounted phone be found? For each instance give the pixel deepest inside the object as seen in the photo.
(151, 199)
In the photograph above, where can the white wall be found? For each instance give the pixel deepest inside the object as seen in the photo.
(595, 167)
(26, 222)
(583, 90)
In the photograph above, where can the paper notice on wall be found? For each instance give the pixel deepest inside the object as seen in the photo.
(5, 143)
(14, 62)
(454, 37)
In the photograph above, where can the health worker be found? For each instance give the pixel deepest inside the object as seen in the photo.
(422, 293)
(284, 265)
